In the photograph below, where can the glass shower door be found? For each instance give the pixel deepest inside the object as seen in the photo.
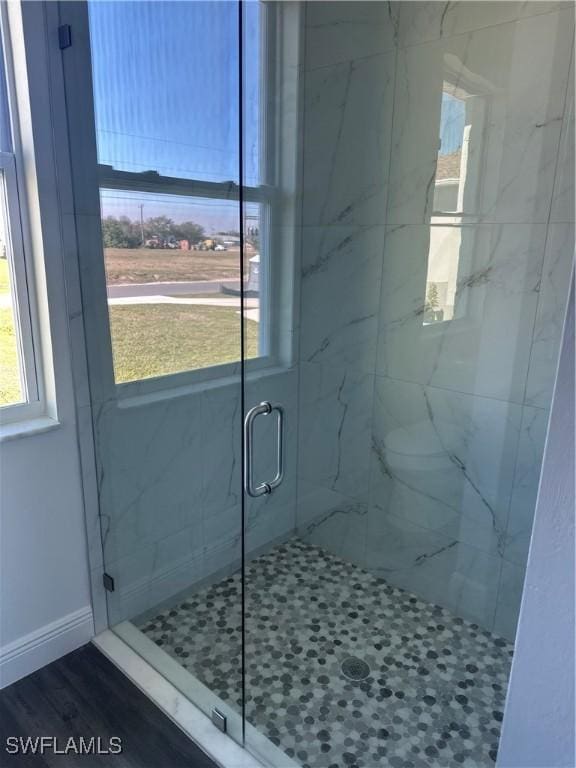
(269, 210)
(160, 264)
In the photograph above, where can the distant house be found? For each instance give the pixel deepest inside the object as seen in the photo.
(230, 241)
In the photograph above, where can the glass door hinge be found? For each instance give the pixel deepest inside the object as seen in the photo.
(219, 720)
(64, 36)
(108, 582)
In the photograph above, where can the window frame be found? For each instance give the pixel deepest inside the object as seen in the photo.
(265, 194)
(32, 404)
(462, 219)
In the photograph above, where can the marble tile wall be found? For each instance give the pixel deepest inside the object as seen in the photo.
(423, 418)
(349, 74)
(170, 488)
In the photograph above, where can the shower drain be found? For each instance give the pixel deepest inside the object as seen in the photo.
(355, 669)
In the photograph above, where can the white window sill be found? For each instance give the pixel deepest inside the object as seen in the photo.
(258, 368)
(25, 428)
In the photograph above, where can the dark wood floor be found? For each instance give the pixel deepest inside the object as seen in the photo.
(83, 694)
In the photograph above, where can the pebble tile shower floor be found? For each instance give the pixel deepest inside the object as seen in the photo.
(435, 693)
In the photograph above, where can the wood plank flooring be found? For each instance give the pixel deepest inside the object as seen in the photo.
(85, 695)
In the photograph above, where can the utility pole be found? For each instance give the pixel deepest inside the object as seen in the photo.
(141, 206)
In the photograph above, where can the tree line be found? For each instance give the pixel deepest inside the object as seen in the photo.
(123, 232)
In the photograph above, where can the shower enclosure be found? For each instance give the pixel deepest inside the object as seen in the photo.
(325, 251)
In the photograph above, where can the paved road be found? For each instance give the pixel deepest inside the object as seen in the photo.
(169, 289)
(251, 306)
(171, 293)
(216, 301)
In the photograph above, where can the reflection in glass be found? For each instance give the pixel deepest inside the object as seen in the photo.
(449, 164)
(460, 147)
(442, 275)
(455, 186)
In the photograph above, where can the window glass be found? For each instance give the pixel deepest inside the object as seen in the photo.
(172, 269)
(166, 105)
(166, 95)
(441, 280)
(11, 385)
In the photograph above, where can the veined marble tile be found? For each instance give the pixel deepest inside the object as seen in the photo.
(151, 472)
(434, 567)
(332, 520)
(422, 22)
(496, 96)
(90, 486)
(509, 600)
(271, 519)
(347, 130)
(75, 311)
(343, 31)
(334, 435)
(563, 203)
(153, 573)
(220, 525)
(315, 502)
(221, 450)
(340, 294)
(173, 465)
(552, 301)
(444, 461)
(526, 480)
(486, 280)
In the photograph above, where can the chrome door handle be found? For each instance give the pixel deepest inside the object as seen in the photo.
(265, 408)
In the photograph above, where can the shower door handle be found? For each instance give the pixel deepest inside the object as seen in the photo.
(264, 409)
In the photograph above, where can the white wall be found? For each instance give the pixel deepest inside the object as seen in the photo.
(538, 729)
(44, 587)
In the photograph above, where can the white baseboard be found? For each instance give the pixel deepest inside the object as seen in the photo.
(50, 642)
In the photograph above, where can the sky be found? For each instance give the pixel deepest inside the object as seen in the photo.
(452, 121)
(166, 88)
(166, 99)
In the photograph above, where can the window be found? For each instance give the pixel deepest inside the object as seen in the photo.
(452, 245)
(19, 396)
(166, 105)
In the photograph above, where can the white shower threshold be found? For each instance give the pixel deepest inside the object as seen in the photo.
(220, 747)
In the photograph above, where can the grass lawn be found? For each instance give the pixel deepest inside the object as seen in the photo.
(148, 339)
(4, 283)
(146, 265)
(156, 339)
(10, 391)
